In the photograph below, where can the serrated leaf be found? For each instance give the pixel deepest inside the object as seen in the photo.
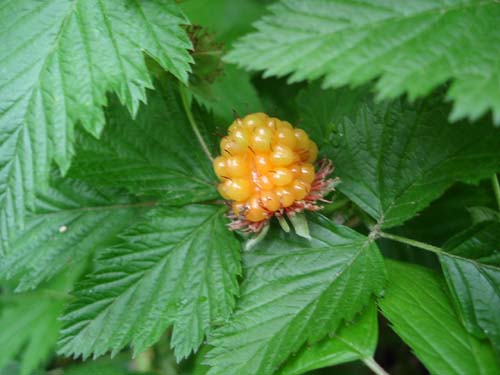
(29, 324)
(156, 154)
(394, 158)
(59, 58)
(70, 221)
(471, 265)
(353, 341)
(412, 46)
(295, 291)
(421, 313)
(178, 268)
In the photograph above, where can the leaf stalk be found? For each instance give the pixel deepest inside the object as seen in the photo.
(414, 243)
(374, 366)
(192, 122)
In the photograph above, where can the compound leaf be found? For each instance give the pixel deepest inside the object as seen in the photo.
(421, 313)
(412, 46)
(178, 267)
(71, 219)
(59, 58)
(151, 155)
(295, 291)
(472, 269)
(394, 159)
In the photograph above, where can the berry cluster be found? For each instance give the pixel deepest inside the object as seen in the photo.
(265, 168)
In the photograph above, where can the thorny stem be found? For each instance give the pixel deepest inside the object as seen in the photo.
(496, 188)
(374, 366)
(194, 126)
(408, 241)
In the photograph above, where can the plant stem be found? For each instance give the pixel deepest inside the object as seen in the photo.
(194, 126)
(414, 243)
(496, 188)
(374, 366)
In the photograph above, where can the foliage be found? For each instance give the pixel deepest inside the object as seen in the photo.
(113, 237)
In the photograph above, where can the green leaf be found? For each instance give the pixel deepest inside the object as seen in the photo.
(70, 221)
(394, 159)
(295, 291)
(177, 268)
(412, 46)
(472, 269)
(421, 313)
(157, 154)
(353, 341)
(230, 93)
(29, 324)
(59, 58)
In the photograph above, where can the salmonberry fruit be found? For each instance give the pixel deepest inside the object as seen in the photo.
(266, 168)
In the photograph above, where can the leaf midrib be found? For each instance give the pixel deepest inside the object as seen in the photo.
(96, 208)
(357, 27)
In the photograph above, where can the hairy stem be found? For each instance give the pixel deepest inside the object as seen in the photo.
(194, 126)
(496, 188)
(414, 243)
(374, 366)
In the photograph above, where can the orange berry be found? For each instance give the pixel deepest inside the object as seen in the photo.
(238, 189)
(307, 173)
(300, 189)
(265, 182)
(229, 147)
(254, 119)
(295, 169)
(313, 152)
(302, 140)
(281, 176)
(237, 166)
(285, 136)
(220, 166)
(238, 207)
(285, 195)
(263, 164)
(261, 139)
(237, 124)
(270, 200)
(282, 156)
(254, 211)
(285, 124)
(272, 123)
(241, 137)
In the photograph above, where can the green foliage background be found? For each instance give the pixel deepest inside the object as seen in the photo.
(114, 252)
